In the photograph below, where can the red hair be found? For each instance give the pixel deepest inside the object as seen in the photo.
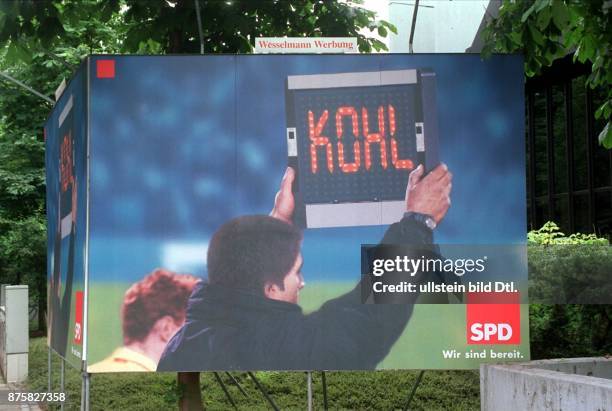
(159, 294)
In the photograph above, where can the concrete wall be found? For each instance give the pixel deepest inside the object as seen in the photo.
(566, 384)
(590, 367)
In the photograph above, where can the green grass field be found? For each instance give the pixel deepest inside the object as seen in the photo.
(374, 390)
(432, 328)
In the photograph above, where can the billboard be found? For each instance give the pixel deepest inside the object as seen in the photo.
(187, 154)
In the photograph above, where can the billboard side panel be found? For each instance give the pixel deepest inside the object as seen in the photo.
(65, 162)
(87, 214)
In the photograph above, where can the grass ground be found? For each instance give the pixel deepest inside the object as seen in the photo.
(432, 328)
(439, 390)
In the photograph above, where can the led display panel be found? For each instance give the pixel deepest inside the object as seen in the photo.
(354, 137)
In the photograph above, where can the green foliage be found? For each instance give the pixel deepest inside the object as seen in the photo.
(347, 390)
(41, 62)
(545, 30)
(171, 26)
(570, 273)
(550, 233)
(569, 269)
(23, 256)
(22, 185)
(558, 331)
(61, 29)
(23, 245)
(42, 42)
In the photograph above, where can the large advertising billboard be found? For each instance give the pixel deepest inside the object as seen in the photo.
(230, 200)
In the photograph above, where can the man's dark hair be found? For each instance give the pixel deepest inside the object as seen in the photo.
(249, 251)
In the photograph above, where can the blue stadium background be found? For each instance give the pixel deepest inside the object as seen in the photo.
(180, 144)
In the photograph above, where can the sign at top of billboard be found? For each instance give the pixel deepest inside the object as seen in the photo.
(230, 200)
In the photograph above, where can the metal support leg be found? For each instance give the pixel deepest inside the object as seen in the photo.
(324, 383)
(263, 391)
(224, 388)
(309, 389)
(237, 384)
(62, 379)
(414, 388)
(85, 392)
(49, 369)
(191, 392)
(82, 393)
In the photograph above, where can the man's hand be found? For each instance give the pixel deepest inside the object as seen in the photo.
(284, 202)
(430, 194)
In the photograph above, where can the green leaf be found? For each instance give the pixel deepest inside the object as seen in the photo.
(536, 7)
(382, 32)
(605, 137)
(560, 14)
(389, 26)
(541, 4)
(487, 51)
(11, 55)
(528, 12)
(576, 54)
(543, 18)
(378, 45)
(536, 35)
(574, 16)
(607, 109)
(515, 37)
(17, 53)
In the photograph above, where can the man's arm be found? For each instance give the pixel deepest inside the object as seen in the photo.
(344, 333)
(427, 202)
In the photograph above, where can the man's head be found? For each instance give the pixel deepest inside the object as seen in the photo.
(154, 308)
(258, 253)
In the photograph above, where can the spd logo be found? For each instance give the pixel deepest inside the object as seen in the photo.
(78, 318)
(493, 318)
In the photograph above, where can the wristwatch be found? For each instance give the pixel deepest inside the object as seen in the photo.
(424, 219)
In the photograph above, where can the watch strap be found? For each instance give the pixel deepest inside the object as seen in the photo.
(421, 218)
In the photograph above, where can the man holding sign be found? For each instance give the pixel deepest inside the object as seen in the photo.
(246, 317)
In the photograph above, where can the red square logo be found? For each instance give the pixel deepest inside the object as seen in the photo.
(493, 318)
(105, 68)
(78, 317)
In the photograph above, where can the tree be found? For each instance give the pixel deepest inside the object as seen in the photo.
(22, 176)
(172, 26)
(546, 30)
(42, 42)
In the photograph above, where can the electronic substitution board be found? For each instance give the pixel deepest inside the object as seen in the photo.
(353, 139)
